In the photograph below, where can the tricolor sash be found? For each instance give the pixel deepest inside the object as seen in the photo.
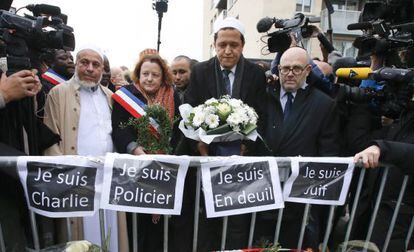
(52, 77)
(134, 106)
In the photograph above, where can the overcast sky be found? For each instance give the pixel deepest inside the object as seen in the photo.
(123, 28)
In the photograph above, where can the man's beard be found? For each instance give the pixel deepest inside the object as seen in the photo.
(88, 84)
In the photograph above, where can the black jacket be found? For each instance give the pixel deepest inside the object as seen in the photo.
(249, 85)
(123, 136)
(311, 128)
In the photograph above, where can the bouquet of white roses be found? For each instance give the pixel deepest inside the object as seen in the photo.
(219, 120)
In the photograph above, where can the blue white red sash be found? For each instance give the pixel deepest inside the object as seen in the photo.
(52, 77)
(134, 106)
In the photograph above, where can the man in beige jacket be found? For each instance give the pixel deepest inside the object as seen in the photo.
(79, 110)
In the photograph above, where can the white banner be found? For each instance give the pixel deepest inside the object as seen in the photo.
(150, 184)
(323, 181)
(61, 186)
(237, 185)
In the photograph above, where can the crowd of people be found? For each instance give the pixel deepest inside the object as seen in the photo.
(299, 115)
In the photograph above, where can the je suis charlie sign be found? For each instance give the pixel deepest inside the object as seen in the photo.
(65, 186)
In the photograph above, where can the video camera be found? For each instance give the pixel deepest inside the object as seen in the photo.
(395, 89)
(387, 26)
(280, 40)
(22, 38)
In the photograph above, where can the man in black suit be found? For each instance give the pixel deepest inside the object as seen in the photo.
(227, 73)
(301, 121)
(246, 79)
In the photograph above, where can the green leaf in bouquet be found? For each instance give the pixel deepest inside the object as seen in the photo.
(248, 129)
(219, 130)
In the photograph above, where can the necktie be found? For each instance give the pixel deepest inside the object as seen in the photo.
(288, 105)
(226, 80)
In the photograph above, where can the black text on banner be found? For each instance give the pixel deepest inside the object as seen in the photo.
(247, 185)
(143, 184)
(319, 181)
(60, 186)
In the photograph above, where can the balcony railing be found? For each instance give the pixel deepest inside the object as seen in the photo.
(340, 20)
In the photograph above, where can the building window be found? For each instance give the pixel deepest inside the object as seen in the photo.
(345, 47)
(346, 5)
(303, 5)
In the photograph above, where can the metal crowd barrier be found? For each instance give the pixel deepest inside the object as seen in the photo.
(284, 168)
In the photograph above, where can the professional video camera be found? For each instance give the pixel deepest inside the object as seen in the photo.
(395, 89)
(387, 26)
(280, 40)
(22, 38)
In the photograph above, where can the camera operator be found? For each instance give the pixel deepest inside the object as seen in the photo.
(362, 130)
(13, 214)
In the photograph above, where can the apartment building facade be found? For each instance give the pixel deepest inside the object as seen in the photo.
(251, 11)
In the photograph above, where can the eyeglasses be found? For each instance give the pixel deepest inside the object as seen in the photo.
(296, 70)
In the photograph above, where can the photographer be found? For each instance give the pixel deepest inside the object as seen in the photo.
(13, 215)
(393, 140)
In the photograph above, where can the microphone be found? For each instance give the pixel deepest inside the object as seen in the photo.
(348, 62)
(359, 73)
(360, 26)
(47, 9)
(265, 24)
(325, 42)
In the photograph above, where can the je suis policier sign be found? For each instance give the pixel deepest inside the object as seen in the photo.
(144, 184)
(242, 185)
(61, 186)
(322, 181)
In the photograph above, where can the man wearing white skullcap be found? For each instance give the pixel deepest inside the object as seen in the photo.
(227, 73)
(79, 110)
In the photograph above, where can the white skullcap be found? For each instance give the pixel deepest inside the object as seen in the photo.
(93, 48)
(229, 22)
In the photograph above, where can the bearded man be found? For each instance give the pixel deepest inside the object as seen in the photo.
(79, 110)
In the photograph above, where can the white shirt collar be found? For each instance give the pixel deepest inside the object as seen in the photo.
(283, 91)
(233, 69)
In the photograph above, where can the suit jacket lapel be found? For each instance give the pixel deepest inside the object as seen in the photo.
(237, 85)
(212, 80)
(277, 124)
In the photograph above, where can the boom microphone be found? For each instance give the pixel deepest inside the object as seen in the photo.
(47, 9)
(360, 26)
(360, 73)
(265, 24)
(325, 42)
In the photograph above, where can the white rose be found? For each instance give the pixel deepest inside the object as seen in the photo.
(224, 98)
(234, 119)
(212, 121)
(198, 119)
(235, 103)
(210, 110)
(78, 246)
(211, 101)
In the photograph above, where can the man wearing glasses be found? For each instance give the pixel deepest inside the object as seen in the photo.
(301, 121)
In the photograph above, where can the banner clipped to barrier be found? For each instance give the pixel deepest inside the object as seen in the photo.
(241, 185)
(61, 186)
(151, 184)
(323, 181)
